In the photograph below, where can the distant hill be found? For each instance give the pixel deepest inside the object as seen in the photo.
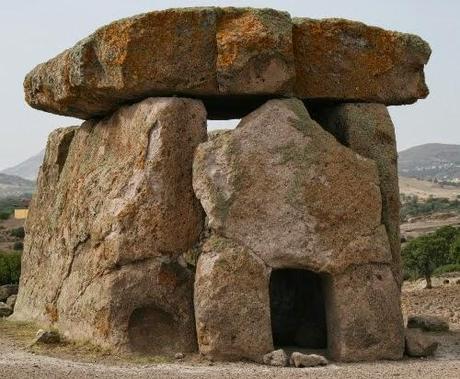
(27, 169)
(11, 185)
(431, 161)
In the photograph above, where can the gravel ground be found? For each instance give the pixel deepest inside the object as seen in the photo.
(443, 300)
(19, 364)
(17, 361)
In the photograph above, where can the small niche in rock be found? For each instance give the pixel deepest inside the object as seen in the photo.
(297, 309)
(153, 331)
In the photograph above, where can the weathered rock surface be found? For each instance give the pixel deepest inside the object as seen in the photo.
(113, 211)
(418, 344)
(368, 130)
(191, 51)
(307, 360)
(363, 313)
(254, 52)
(156, 53)
(286, 189)
(5, 309)
(232, 58)
(344, 61)
(427, 323)
(7, 290)
(232, 306)
(277, 358)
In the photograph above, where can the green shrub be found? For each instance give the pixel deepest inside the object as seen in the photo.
(412, 206)
(10, 268)
(453, 267)
(18, 232)
(4, 215)
(455, 251)
(18, 246)
(422, 256)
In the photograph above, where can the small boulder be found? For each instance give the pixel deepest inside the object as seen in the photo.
(427, 323)
(179, 356)
(11, 301)
(7, 290)
(307, 360)
(5, 310)
(419, 344)
(277, 358)
(47, 337)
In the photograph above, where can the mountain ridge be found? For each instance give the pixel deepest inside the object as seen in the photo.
(27, 169)
(431, 161)
(11, 185)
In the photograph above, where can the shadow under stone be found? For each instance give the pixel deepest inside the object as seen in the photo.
(297, 309)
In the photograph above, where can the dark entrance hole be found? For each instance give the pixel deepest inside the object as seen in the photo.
(297, 309)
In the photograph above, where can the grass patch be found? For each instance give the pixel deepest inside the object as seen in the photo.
(10, 267)
(412, 206)
(22, 335)
(455, 267)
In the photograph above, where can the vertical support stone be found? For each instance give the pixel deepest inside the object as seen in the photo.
(232, 304)
(368, 130)
(114, 210)
(364, 318)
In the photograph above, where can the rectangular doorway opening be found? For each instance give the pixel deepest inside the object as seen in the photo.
(297, 309)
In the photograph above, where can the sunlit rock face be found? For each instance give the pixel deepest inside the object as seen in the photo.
(113, 211)
(234, 59)
(147, 235)
(285, 190)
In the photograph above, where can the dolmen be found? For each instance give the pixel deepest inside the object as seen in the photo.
(147, 234)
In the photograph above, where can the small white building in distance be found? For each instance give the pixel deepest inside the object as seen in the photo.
(21, 214)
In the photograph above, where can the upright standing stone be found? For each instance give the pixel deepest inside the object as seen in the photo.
(113, 211)
(364, 316)
(290, 192)
(232, 302)
(286, 191)
(368, 130)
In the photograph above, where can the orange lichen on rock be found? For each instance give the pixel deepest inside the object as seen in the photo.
(349, 61)
(254, 51)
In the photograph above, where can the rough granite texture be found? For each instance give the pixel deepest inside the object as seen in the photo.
(364, 317)
(232, 305)
(191, 51)
(368, 130)
(349, 61)
(234, 59)
(419, 344)
(286, 189)
(254, 52)
(281, 188)
(113, 211)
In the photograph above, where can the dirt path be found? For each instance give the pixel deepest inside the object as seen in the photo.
(18, 361)
(19, 364)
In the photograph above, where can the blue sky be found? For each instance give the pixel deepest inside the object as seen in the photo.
(34, 31)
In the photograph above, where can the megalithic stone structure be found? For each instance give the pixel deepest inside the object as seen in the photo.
(147, 235)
